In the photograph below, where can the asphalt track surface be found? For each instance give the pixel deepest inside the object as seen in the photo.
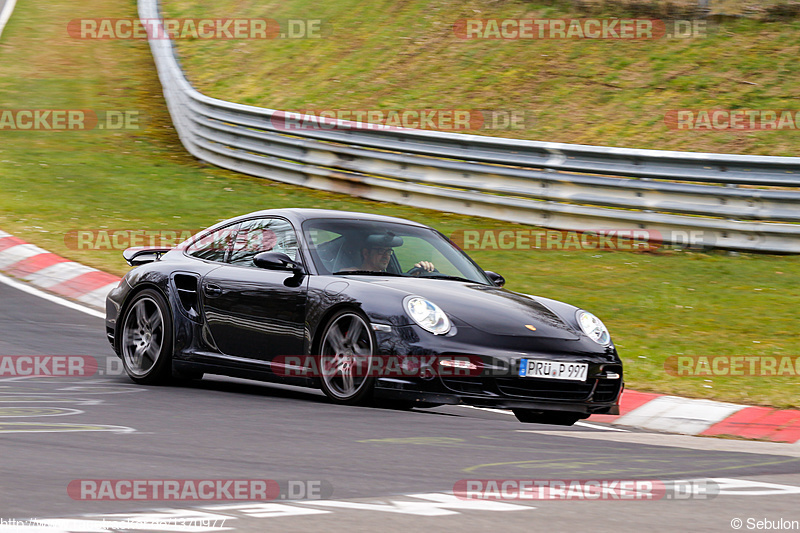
(381, 469)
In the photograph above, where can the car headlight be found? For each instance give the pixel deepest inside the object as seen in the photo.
(593, 327)
(427, 314)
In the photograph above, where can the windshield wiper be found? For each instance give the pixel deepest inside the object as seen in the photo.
(445, 276)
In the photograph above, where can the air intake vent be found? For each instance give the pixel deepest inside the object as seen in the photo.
(186, 285)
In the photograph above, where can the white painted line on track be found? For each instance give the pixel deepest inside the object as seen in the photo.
(41, 427)
(489, 409)
(583, 424)
(605, 428)
(19, 412)
(691, 442)
(260, 515)
(50, 297)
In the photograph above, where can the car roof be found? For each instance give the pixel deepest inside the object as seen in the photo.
(299, 215)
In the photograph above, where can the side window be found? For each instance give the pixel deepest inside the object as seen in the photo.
(263, 235)
(213, 246)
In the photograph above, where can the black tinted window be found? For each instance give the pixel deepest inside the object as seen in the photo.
(263, 235)
(213, 246)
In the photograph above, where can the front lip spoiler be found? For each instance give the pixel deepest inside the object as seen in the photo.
(498, 403)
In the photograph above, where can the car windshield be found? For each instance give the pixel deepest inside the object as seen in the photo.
(347, 246)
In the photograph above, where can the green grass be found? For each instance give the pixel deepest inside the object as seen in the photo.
(656, 304)
(404, 55)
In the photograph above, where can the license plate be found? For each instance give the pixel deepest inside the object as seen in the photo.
(534, 368)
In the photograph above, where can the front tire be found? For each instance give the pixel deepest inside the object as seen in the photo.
(146, 340)
(345, 358)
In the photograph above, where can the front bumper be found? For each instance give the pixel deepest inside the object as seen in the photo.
(495, 382)
(596, 396)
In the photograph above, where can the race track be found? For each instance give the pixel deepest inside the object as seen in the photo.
(369, 461)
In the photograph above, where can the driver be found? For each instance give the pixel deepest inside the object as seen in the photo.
(377, 252)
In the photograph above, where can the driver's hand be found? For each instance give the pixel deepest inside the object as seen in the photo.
(425, 265)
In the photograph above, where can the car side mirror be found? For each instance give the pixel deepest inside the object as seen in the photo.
(495, 278)
(277, 261)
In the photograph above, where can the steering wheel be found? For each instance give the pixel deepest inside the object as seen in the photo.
(418, 271)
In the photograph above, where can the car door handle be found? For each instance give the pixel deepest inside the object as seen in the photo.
(212, 290)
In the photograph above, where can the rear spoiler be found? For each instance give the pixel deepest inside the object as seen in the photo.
(141, 255)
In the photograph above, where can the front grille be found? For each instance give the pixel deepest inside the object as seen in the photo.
(607, 390)
(546, 389)
(594, 390)
(468, 386)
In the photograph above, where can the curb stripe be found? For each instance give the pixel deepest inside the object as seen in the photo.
(33, 264)
(678, 415)
(97, 297)
(760, 423)
(83, 284)
(58, 273)
(54, 273)
(629, 401)
(17, 253)
(8, 242)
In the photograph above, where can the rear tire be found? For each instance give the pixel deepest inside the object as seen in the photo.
(556, 418)
(345, 358)
(146, 339)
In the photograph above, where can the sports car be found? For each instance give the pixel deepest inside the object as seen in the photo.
(366, 308)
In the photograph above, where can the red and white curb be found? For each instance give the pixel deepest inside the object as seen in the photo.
(653, 412)
(672, 414)
(54, 273)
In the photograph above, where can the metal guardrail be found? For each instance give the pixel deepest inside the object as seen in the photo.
(700, 199)
(6, 8)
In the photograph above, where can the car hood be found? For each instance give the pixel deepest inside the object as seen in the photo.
(494, 310)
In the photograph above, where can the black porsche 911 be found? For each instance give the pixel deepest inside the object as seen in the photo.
(362, 306)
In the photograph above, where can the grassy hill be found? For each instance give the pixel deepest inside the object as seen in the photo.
(405, 55)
